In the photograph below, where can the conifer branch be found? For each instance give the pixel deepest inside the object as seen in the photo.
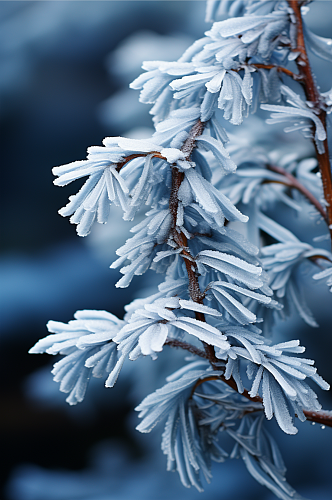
(313, 96)
(184, 234)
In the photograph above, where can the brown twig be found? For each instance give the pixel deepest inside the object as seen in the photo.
(281, 69)
(187, 347)
(181, 239)
(125, 160)
(319, 417)
(231, 383)
(313, 96)
(293, 182)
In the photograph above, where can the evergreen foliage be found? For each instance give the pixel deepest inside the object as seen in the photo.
(231, 270)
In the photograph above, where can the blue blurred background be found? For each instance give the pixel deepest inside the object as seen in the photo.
(64, 72)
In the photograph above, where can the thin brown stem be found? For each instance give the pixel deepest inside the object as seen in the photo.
(313, 96)
(231, 383)
(128, 158)
(315, 258)
(319, 417)
(281, 69)
(181, 239)
(186, 346)
(296, 184)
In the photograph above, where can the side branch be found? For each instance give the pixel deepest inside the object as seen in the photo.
(294, 183)
(190, 143)
(281, 69)
(319, 417)
(122, 163)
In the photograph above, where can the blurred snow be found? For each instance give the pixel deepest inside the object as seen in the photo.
(115, 475)
(54, 282)
(125, 62)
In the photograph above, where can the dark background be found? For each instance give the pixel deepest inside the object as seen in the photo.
(59, 64)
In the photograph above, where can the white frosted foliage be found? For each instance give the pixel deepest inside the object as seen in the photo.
(229, 215)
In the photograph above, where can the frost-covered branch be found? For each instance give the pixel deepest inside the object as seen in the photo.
(320, 417)
(280, 69)
(180, 238)
(294, 183)
(314, 97)
(186, 347)
(222, 288)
